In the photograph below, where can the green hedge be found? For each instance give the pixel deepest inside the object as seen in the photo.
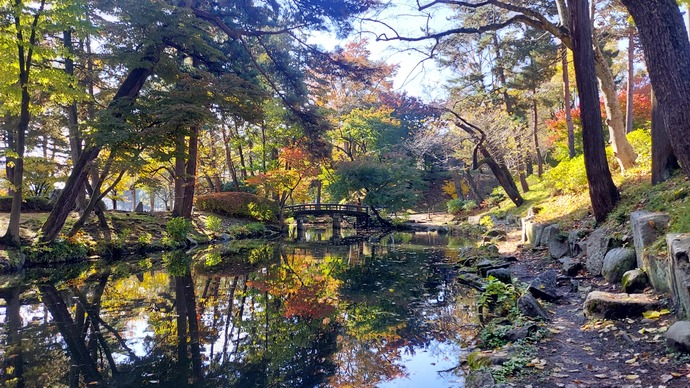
(30, 204)
(238, 204)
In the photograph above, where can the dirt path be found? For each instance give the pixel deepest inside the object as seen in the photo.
(594, 353)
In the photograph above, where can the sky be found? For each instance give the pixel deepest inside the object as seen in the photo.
(417, 74)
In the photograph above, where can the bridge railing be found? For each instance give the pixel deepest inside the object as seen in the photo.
(327, 207)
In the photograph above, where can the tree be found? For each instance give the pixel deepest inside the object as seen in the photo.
(389, 182)
(535, 15)
(667, 53)
(602, 191)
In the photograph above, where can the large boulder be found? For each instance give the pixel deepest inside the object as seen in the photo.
(532, 232)
(647, 228)
(531, 307)
(502, 274)
(571, 266)
(545, 286)
(549, 233)
(617, 262)
(678, 336)
(598, 244)
(678, 251)
(608, 305)
(634, 281)
(480, 378)
(574, 244)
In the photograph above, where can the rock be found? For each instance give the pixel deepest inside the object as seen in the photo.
(678, 336)
(480, 378)
(508, 259)
(558, 246)
(518, 333)
(608, 305)
(531, 307)
(634, 281)
(647, 228)
(678, 250)
(598, 244)
(533, 232)
(495, 233)
(571, 266)
(139, 208)
(485, 270)
(474, 220)
(617, 262)
(544, 286)
(548, 233)
(224, 237)
(502, 274)
(574, 242)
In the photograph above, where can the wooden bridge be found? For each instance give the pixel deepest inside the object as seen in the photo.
(328, 209)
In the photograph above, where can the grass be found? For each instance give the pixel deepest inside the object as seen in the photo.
(637, 193)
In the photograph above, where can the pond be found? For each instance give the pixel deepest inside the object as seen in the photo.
(247, 314)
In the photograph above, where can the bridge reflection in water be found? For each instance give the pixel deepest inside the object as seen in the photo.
(334, 210)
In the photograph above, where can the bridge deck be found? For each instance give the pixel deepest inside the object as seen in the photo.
(328, 208)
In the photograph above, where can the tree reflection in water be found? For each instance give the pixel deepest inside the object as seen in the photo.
(270, 315)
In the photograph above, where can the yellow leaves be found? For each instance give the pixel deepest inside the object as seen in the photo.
(655, 314)
(537, 363)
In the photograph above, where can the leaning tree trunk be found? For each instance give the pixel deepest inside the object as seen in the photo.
(664, 161)
(602, 190)
(129, 89)
(503, 176)
(667, 54)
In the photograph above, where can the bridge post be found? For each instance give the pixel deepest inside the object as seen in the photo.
(337, 219)
(300, 228)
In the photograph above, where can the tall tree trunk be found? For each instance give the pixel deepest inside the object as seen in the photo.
(602, 191)
(664, 161)
(134, 199)
(622, 149)
(667, 53)
(72, 117)
(10, 128)
(12, 235)
(566, 102)
(474, 190)
(228, 158)
(180, 154)
(190, 173)
(631, 80)
(537, 149)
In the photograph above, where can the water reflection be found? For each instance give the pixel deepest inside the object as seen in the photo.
(246, 315)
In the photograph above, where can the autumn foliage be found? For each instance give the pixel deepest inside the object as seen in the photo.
(235, 204)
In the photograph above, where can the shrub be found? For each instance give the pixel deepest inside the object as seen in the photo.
(237, 204)
(30, 204)
(455, 206)
(213, 224)
(60, 250)
(641, 141)
(177, 229)
(469, 205)
(568, 176)
(145, 239)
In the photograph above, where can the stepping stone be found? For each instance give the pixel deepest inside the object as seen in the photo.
(599, 304)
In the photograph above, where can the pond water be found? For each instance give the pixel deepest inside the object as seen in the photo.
(247, 314)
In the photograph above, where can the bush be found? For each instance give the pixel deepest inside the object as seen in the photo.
(455, 206)
(178, 228)
(30, 204)
(59, 251)
(641, 141)
(213, 224)
(568, 177)
(236, 204)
